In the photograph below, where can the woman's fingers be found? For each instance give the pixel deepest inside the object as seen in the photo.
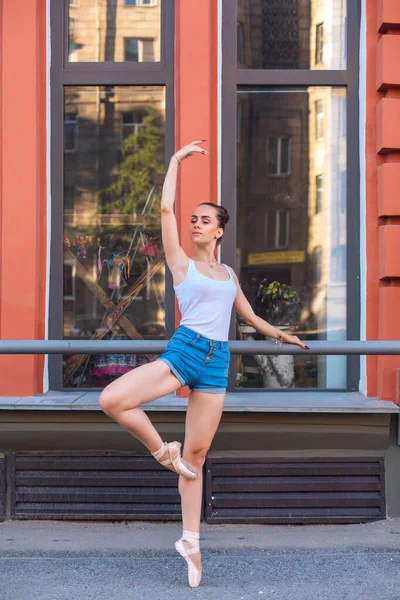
(190, 150)
(297, 342)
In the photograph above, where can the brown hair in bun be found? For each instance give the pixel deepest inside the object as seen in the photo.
(222, 216)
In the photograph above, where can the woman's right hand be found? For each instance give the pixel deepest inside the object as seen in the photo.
(189, 150)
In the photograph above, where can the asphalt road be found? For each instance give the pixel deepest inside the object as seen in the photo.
(55, 560)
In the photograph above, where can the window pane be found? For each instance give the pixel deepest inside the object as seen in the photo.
(273, 156)
(107, 30)
(292, 255)
(319, 193)
(292, 34)
(112, 238)
(285, 156)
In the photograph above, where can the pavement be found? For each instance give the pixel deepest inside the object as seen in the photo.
(63, 560)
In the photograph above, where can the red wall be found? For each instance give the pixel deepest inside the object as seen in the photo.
(23, 185)
(23, 190)
(382, 185)
(196, 89)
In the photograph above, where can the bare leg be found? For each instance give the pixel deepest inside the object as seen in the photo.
(120, 400)
(202, 419)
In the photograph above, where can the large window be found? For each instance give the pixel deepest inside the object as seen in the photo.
(112, 127)
(287, 173)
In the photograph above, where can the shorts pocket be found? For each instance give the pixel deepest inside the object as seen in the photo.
(226, 355)
(184, 339)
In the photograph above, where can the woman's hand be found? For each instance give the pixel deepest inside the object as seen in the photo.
(293, 339)
(189, 150)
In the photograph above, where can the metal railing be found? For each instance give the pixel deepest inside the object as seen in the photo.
(345, 347)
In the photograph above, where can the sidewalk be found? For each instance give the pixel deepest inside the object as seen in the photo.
(61, 560)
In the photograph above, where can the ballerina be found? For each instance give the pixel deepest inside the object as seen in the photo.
(197, 355)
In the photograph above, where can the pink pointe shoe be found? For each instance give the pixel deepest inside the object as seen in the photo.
(180, 465)
(194, 574)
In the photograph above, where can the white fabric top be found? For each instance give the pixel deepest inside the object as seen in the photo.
(205, 303)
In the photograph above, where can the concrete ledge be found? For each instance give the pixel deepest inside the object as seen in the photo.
(321, 402)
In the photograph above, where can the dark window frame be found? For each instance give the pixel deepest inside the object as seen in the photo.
(63, 74)
(234, 78)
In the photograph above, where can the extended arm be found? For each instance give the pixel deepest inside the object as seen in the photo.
(175, 256)
(243, 307)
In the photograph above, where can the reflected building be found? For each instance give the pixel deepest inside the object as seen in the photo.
(113, 173)
(114, 30)
(291, 171)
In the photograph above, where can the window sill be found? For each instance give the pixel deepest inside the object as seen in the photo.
(296, 402)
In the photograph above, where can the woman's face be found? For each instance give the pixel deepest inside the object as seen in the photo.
(204, 226)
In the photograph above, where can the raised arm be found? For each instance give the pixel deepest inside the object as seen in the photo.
(245, 310)
(175, 256)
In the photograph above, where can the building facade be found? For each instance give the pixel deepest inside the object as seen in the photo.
(298, 101)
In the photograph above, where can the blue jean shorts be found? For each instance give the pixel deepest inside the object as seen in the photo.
(197, 361)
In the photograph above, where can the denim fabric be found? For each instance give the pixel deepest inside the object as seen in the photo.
(197, 361)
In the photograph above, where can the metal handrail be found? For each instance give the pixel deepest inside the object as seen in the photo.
(345, 347)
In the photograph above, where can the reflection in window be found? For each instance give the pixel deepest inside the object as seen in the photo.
(289, 34)
(319, 186)
(319, 120)
(140, 2)
(292, 263)
(107, 31)
(318, 264)
(319, 43)
(70, 133)
(114, 269)
(131, 50)
(241, 48)
(138, 50)
(277, 229)
(131, 122)
(278, 155)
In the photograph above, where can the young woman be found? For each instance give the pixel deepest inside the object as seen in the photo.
(197, 355)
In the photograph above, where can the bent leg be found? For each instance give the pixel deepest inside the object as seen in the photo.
(121, 399)
(202, 419)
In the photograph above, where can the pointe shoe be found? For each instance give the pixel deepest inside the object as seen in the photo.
(181, 466)
(194, 574)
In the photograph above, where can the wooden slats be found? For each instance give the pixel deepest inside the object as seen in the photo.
(299, 484)
(92, 485)
(297, 500)
(294, 491)
(106, 478)
(298, 469)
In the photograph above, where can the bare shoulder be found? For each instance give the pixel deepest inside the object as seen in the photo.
(232, 271)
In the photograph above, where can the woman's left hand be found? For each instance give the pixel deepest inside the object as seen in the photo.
(293, 339)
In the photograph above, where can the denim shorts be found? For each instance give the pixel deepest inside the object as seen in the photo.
(197, 361)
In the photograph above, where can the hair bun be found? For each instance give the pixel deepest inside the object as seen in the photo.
(226, 219)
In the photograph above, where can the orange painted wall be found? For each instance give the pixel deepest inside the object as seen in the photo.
(383, 181)
(23, 151)
(23, 190)
(196, 100)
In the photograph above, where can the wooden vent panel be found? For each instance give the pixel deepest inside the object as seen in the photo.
(348, 490)
(92, 485)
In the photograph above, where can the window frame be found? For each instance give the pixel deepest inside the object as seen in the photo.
(63, 74)
(233, 79)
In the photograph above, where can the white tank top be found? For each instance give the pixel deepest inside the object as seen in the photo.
(205, 303)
